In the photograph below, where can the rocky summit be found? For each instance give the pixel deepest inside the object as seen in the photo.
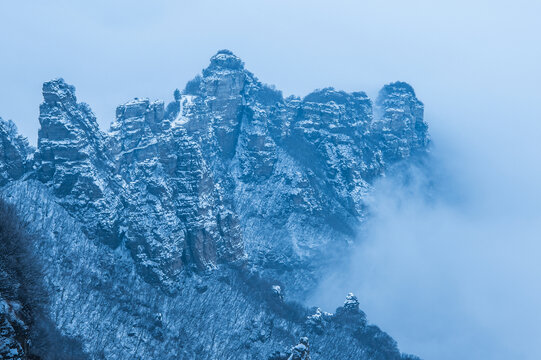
(194, 230)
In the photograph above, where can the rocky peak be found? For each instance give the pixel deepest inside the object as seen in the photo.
(229, 173)
(73, 160)
(337, 111)
(397, 89)
(69, 133)
(229, 163)
(221, 96)
(224, 60)
(61, 113)
(328, 94)
(398, 104)
(227, 67)
(224, 77)
(57, 91)
(400, 122)
(145, 183)
(136, 122)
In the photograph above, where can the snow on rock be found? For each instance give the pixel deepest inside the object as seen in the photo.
(11, 346)
(351, 303)
(72, 159)
(15, 153)
(318, 321)
(400, 125)
(173, 209)
(301, 351)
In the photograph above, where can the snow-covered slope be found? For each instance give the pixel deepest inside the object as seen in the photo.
(177, 233)
(14, 153)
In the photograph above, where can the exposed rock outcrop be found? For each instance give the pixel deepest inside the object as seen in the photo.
(73, 160)
(186, 230)
(400, 126)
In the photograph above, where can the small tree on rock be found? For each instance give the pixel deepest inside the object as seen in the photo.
(176, 94)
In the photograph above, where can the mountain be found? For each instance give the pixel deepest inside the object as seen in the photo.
(194, 230)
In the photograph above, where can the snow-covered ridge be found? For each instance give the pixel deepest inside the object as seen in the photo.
(228, 174)
(211, 155)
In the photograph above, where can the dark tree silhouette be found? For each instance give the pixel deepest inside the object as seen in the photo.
(176, 94)
(21, 281)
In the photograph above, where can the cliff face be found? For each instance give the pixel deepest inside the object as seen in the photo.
(173, 213)
(179, 224)
(72, 160)
(400, 123)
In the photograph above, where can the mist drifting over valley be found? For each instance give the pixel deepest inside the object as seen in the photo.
(449, 259)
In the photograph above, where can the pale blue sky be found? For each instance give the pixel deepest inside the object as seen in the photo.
(114, 51)
(475, 65)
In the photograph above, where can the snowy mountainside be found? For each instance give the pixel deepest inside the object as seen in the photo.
(191, 227)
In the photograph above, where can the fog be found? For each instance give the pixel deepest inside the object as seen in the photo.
(449, 262)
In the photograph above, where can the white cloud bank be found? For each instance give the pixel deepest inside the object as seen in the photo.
(450, 262)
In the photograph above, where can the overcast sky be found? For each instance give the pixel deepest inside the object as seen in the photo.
(475, 65)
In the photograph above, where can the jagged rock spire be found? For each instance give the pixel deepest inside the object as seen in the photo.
(400, 122)
(225, 59)
(72, 159)
(229, 165)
